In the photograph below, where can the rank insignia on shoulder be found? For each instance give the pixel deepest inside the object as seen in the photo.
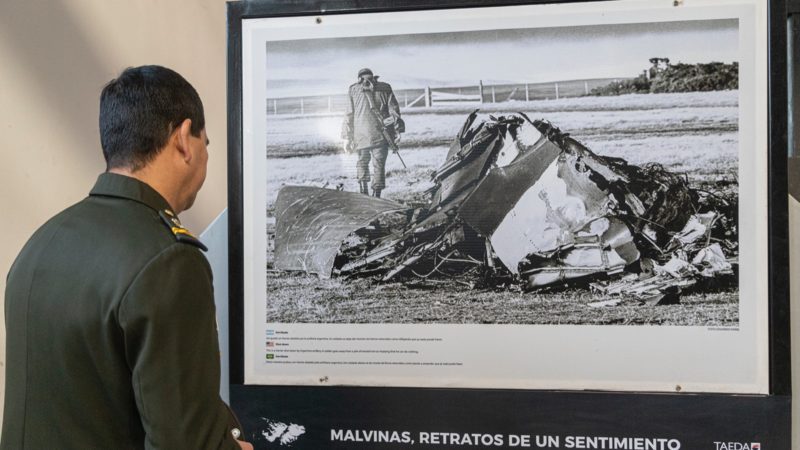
(181, 233)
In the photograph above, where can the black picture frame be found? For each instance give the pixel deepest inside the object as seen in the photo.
(779, 299)
(794, 97)
(778, 399)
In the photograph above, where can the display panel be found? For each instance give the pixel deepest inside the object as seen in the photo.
(310, 320)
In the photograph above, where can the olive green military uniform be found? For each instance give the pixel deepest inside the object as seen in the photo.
(111, 331)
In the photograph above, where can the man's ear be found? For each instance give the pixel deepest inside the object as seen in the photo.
(182, 134)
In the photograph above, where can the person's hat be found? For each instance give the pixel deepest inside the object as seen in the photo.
(364, 71)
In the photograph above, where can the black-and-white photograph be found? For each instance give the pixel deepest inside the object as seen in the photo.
(567, 175)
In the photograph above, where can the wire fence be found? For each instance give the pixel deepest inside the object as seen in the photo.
(429, 97)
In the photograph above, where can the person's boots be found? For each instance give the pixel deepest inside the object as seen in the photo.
(376, 193)
(364, 187)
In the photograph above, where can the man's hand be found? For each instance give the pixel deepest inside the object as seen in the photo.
(397, 139)
(245, 445)
(347, 146)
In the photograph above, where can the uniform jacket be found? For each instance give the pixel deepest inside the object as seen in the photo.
(361, 126)
(111, 331)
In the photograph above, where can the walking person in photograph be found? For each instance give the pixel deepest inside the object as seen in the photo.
(372, 125)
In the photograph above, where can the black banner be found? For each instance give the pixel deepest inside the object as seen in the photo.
(284, 417)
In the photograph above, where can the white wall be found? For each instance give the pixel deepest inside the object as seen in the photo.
(56, 56)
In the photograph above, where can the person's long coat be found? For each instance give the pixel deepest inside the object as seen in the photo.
(361, 126)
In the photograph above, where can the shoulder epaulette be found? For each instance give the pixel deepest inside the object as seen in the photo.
(181, 233)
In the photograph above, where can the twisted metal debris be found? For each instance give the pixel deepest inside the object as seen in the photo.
(518, 201)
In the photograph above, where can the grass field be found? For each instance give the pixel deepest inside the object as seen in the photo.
(695, 134)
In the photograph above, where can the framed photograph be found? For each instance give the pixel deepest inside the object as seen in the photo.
(576, 196)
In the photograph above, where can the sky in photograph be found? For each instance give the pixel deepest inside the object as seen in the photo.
(328, 66)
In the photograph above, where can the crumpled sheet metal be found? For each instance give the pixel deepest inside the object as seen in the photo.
(711, 261)
(544, 204)
(312, 222)
(502, 188)
(607, 246)
(697, 228)
(665, 281)
(467, 159)
(537, 200)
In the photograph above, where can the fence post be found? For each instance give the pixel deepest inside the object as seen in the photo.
(556, 91)
(275, 107)
(494, 99)
(527, 93)
(586, 87)
(428, 99)
(511, 95)
(302, 107)
(480, 89)
(405, 95)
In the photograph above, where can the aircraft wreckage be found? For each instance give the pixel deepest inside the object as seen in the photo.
(521, 203)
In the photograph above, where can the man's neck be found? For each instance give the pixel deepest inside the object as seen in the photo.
(160, 186)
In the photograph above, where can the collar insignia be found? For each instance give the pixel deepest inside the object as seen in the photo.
(181, 234)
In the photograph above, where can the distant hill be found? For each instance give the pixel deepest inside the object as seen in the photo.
(666, 77)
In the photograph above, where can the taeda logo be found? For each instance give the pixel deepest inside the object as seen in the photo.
(737, 445)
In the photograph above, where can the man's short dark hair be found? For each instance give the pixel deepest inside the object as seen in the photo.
(140, 109)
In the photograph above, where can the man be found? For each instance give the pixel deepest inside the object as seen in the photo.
(109, 309)
(371, 109)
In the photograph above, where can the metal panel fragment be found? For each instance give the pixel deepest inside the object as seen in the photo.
(312, 222)
(503, 187)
